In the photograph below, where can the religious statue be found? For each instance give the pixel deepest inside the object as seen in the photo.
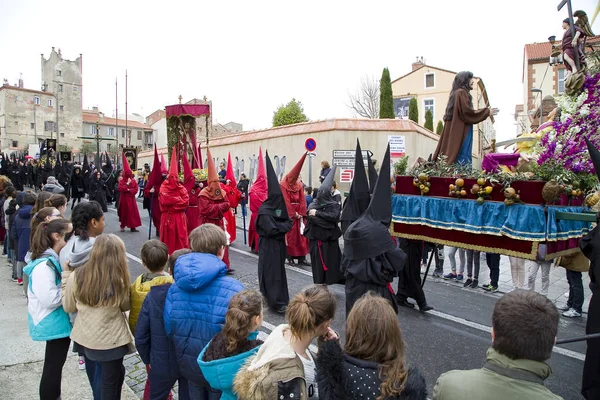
(572, 42)
(456, 140)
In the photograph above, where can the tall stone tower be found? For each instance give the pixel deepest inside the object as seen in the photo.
(63, 78)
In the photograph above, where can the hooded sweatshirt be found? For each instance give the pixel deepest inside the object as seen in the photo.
(76, 252)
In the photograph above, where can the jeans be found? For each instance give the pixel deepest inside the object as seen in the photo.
(94, 374)
(202, 392)
(113, 375)
(160, 387)
(517, 269)
(473, 257)
(533, 269)
(493, 263)
(575, 290)
(54, 360)
(461, 256)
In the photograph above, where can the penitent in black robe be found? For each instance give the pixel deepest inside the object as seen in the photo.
(271, 259)
(323, 232)
(98, 192)
(409, 284)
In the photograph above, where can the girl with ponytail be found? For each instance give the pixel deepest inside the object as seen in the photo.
(284, 367)
(48, 321)
(223, 357)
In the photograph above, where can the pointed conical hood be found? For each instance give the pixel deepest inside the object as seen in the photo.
(369, 235)
(259, 188)
(274, 205)
(189, 180)
(213, 188)
(174, 167)
(155, 177)
(324, 196)
(291, 179)
(359, 197)
(163, 166)
(127, 172)
(594, 156)
(372, 174)
(230, 176)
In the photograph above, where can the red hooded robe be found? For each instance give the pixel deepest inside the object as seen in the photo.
(233, 197)
(258, 194)
(189, 182)
(173, 200)
(212, 203)
(129, 215)
(154, 182)
(293, 193)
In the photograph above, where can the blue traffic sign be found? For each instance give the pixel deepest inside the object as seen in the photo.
(310, 144)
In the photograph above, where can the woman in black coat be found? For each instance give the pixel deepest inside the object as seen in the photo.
(77, 186)
(98, 190)
(374, 350)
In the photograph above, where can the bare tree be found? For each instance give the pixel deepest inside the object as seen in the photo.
(365, 102)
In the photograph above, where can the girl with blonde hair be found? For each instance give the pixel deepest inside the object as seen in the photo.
(372, 364)
(284, 367)
(99, 293)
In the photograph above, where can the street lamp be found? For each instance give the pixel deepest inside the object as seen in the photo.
(535, 90)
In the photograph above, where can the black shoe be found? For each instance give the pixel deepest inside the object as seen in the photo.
(290, 261)
(281, 310)
(230, 271)
(425, 308)
(304, 262)
(406, 303)
(468, 282)
(475, 284)
(134, 230)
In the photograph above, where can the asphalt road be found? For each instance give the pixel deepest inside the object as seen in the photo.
(454, 336)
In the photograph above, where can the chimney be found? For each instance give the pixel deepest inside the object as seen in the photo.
(95, 109)
(21, 81)
(418, 64)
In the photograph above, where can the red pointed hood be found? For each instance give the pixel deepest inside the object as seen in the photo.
(155, 177)
(213, 188)
(189, 181)
(230, 176)
(127, 172)
(163, 165)
(290, 181)
(259, 190)
(172, 186)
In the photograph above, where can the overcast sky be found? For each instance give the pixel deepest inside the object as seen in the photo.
(249, 57)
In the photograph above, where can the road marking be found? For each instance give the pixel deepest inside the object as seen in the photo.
(295, 269)
(458, 320)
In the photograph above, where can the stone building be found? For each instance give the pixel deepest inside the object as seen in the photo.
(431, 86)
(63, 79)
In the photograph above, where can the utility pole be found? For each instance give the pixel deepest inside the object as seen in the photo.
(127, 135)
(117, 121)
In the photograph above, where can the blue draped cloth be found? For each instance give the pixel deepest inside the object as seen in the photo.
(465, 155)
(519, 221)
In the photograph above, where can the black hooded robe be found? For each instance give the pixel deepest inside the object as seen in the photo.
(16, 177)
(409, 284)
(98, 192)
(590, 245)
(77, 185)
(271, 259)
(323, 232)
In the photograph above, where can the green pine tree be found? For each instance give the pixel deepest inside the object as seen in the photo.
(386, 97)
(428, 120)
(291, 113)
(413, 110)
(439, 128)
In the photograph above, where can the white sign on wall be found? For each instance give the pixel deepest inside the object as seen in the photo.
(346, 175)
(397, 145)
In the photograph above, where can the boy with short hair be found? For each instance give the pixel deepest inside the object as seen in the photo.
(524, 327)
(308, 195)
(154, 347)
(196, 304)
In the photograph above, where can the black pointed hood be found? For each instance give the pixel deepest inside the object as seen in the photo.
(594, 155)
(274, 205)
(57, 167)
(369, 235)
(359, 196)
(372, 174)
(86, 164)
(324, 196)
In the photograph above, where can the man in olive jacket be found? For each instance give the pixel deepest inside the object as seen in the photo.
(524, 326)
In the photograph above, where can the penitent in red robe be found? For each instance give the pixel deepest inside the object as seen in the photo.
(297, 244)
(173, 200)
(233, 198)
(129, 215)
(212, 211)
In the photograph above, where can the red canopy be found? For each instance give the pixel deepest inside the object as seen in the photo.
(193, 110)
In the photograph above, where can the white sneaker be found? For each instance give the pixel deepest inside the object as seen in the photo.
(571, 313)
(81, 363)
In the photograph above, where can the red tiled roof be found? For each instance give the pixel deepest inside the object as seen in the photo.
(542, 51)
(6, 86)
(93, 117)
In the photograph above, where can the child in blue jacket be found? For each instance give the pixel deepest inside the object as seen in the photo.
(221, 360)
(197, 302)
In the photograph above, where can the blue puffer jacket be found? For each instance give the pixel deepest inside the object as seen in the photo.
(20, 231)
(195, 308)
(151, 340)
(220, 373)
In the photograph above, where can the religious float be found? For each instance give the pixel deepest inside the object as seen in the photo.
(543, 193)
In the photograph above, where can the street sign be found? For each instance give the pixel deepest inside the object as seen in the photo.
(310, 144)
(346, 175)
(344, 162)
(350, 153)
(397, 146)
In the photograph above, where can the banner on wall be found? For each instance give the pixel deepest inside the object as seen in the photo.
(346, 175)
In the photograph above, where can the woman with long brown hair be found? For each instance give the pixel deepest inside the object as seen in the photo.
(58, 201)
(372, 364)
(99, 293)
